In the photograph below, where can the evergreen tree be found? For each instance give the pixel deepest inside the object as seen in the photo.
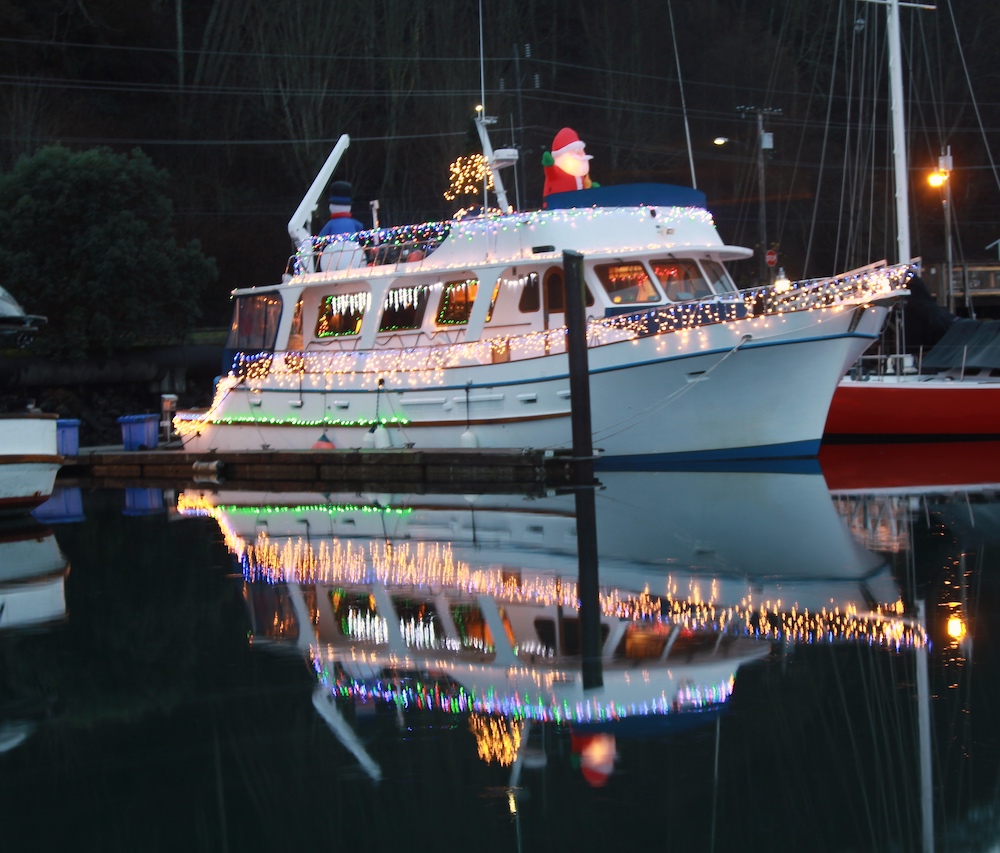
(86, 240)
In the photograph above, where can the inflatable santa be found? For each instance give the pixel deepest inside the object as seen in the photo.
(567, 165)
(596, 754)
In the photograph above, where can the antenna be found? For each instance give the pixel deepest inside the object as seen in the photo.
(482, 70)
(503, 157)
(687, 129)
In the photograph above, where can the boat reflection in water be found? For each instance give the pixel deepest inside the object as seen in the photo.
(469, 604)
(33, 572)
(933, 511)
(32, 575)
(939, 499)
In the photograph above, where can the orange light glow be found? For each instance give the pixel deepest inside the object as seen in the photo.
(937, 179)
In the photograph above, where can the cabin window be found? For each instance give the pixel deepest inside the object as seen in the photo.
(718, 277)
(357, 616)
(531, 295)
(255, 323)
(341, 314)
(404, 309)
(295, 332)
(627, 283)
(565, 637)
(682, 280)
(473, 632)
(555, 293)
(642, 642)
(272, 613)
(423, 625)
(456, 302)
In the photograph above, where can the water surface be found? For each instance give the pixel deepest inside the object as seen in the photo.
(213, 669)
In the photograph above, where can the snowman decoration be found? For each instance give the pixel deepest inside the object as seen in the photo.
(567, 165)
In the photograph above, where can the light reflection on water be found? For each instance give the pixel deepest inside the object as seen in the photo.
(240, 669)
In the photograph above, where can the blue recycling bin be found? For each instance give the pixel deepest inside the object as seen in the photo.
(143, 501)
(67, 437)
(140, 432)
(65, 505)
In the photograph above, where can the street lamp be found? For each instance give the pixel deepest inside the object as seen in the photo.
(940, 179)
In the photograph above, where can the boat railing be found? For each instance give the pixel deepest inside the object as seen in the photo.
(376, 247)
(949, 363)
(764, 301)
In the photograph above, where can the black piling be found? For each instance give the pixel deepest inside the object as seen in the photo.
(583, 452)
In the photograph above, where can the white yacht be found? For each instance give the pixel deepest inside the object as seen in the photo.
(454, 334)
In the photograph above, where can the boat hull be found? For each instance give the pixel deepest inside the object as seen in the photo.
(33, 572)
(911, 467)
(29, 461)
(911, 406)
(759, 387)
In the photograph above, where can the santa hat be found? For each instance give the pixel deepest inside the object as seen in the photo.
(340, 193)
(565, 141)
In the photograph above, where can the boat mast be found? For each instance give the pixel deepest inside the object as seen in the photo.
(896, 106)
(898, 134)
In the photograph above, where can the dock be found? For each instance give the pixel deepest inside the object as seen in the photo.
(414, 470)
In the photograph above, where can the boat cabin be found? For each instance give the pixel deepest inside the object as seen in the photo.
(486, 278)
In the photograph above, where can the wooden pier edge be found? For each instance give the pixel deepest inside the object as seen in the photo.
(410, 469)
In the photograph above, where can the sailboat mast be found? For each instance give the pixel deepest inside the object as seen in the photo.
(898, 133)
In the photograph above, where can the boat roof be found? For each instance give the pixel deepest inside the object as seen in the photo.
(628, 195)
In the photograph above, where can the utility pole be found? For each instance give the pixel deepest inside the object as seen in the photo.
(942, 180)
(765, 142)
(518, 132)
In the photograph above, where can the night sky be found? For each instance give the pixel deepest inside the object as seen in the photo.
(241, 103)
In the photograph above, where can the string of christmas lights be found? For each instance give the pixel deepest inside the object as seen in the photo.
(432, 565)
(428, 693)
(466, 176)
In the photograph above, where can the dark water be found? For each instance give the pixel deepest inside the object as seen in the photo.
(204, 669)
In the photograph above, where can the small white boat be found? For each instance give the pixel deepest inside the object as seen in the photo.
(449, 334)
(16, 326)
(29, 460)
(33, 573)
(29, 444)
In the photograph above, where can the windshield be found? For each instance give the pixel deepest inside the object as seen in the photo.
(682, 280)
(718, 277)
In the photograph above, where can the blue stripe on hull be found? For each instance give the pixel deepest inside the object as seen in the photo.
(798, 457)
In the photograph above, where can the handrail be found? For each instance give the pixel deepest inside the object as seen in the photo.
(374, 247)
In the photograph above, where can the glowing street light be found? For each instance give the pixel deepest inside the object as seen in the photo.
(956, 629)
